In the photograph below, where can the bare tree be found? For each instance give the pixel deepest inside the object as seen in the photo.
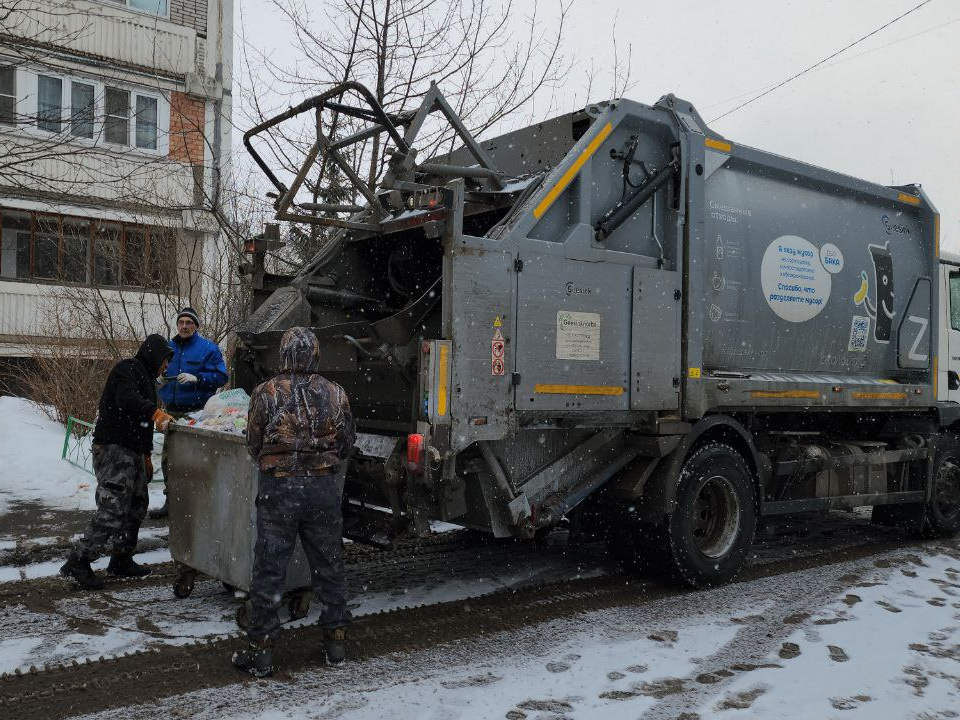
(491, 61)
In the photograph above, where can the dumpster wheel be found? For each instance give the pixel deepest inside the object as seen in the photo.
(243, 615)
(183, 585)
(299, 603)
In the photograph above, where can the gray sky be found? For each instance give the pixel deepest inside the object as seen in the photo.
(886, 110)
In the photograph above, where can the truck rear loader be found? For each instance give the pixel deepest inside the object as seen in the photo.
(621, 318)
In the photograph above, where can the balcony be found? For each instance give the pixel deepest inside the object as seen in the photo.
(100, 31)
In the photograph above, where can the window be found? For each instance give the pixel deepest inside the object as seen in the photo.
(49, 103)
(955, 300)
(8, 96)
(15, 253)
(106, 253)
(163, 256)
(154, 7)
(81, 110)
(46, 247)
(85, 111)
(146, 122)
(134, 255)
(116, 123)
(76, 250)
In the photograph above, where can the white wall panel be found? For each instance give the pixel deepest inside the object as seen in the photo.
(98, 29)
(26, 308)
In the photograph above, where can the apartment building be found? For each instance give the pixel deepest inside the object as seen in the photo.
(114, 134)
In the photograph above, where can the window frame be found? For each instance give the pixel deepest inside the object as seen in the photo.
(951, 276)
(73, 120)
(59, 120)
(15, 97)
(125, 4)
(106, 116)
(26, 82)
(150, 274)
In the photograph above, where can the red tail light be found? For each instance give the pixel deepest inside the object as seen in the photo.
(415, 449)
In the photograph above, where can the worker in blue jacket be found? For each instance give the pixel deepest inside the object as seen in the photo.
(195, 372)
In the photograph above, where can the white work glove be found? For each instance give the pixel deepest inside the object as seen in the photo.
(186, 379)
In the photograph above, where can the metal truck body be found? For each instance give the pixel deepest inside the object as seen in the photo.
(620, 317)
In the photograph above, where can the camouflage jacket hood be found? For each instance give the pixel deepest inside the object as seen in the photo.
(299, 423)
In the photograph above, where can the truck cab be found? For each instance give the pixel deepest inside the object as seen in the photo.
(948, 375)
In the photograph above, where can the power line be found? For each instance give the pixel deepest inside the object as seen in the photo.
(838, 62)
(821, 62)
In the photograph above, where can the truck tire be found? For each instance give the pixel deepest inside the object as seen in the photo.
(710, 532)
(943, 509)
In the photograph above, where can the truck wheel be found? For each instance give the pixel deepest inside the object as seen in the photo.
(943, 509)
(711, 530)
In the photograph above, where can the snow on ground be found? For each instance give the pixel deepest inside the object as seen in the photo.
(32, 469)
(30, 465)
(10, 573)
(873, 638)
(131, 619)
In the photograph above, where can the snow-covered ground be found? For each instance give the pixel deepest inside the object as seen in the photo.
(871, 638)
(31, 467)
(877, 639)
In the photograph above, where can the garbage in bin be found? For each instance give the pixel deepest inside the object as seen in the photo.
(224, 412)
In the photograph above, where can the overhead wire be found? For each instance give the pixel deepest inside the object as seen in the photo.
(841, 61)
(824, 60)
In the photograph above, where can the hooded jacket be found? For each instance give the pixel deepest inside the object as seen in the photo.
(299, 422)
(129, 398)
(198, 356)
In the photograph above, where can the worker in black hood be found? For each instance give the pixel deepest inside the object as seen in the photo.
(122, 442)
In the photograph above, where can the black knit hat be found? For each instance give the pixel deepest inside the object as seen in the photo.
(190, 313)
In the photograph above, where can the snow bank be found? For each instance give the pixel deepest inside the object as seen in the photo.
(31, 469)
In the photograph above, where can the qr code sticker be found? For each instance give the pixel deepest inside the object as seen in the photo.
(859, 329)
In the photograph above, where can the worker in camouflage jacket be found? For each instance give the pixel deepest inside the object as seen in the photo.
(299, 431)
(122, 442)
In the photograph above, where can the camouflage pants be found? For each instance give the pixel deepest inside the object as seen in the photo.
(288, 507)
(121, 503)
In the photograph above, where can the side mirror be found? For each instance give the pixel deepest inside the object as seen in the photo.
(953, 380)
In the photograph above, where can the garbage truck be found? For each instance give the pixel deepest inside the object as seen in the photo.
(621, 318)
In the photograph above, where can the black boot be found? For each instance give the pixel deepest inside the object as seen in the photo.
(256, 658)
(161, 512)
(81, 571)
(334, 642)
(124, 566)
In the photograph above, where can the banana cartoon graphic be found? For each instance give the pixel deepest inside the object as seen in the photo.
(864, 289)
(862, 298)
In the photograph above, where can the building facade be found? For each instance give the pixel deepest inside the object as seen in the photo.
(114, 136)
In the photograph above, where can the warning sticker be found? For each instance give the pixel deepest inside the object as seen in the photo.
(497, 367)
(578, 335)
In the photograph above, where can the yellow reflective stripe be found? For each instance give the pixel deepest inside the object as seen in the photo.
(612, 390)
(936, 234)
(720, 145)
(909, 199)
(571, 172)
(442, 380)
(879, 396)
(805, 394)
